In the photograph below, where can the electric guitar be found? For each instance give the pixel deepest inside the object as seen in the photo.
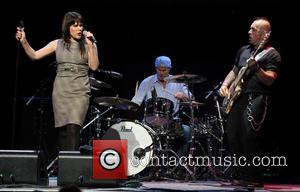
(235, 88)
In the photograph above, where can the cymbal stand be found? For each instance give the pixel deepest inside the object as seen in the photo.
(203, 125)
(192, 141)
(220, 120)
(192, 126)
(222, 150)
(161, 173)
(167, 141)
(191, 173)
(215, 94)
(95, 118)
(168, 150)
(164, 148)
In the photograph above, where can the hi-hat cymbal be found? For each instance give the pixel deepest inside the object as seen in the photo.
(116, 102)
(185, 78)
(96, 84)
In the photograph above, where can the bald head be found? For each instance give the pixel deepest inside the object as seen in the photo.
(263, 25)
(259, 31)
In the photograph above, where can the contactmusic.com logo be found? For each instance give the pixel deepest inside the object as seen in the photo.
(110, 159)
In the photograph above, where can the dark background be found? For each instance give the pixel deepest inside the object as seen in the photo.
(201, 37)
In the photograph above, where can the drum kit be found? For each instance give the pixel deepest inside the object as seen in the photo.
(157, 134)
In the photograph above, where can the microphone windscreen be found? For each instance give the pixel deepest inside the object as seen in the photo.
(21, 24)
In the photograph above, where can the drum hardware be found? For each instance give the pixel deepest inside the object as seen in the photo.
(219, 121)
(94, 119)
(117, 103)
(167, 173)
(192, 141)
(162, 172)
(191, 78)
(97, 85)
(215, 93)
(167, 146)
(216, 87)
(222, 150)
(111, 73)
(157, 113)
(160, 146)
(185, 78)
(195, 104)
(112, 103)
(204, 129)
(141, 152)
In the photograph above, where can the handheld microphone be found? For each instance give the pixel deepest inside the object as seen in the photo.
(21, 24)
(92, 38)
(111, 73)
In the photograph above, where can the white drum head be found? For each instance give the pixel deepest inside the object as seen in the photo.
(138, 137)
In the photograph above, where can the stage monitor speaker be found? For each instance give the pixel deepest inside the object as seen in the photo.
(22, 167)
(76, 168)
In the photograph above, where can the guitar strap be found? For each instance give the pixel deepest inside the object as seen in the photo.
(263, 53)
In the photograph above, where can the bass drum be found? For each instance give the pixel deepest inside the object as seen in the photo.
(140, 143)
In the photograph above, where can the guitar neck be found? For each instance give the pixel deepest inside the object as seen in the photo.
(239, 77)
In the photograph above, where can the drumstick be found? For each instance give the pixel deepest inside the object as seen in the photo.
(184, 99)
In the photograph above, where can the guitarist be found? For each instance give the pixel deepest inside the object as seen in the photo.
(248, 111)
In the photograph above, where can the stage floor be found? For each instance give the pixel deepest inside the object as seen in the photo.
(214, 186)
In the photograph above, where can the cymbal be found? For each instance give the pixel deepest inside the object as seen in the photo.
(194, 103)
(185, 78)
(96, 84)
(116, 102)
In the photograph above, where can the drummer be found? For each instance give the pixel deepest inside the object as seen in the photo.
(155, 86)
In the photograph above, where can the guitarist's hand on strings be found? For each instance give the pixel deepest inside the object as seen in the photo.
(225, 88)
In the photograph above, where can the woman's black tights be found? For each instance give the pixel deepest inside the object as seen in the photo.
(68, 137)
